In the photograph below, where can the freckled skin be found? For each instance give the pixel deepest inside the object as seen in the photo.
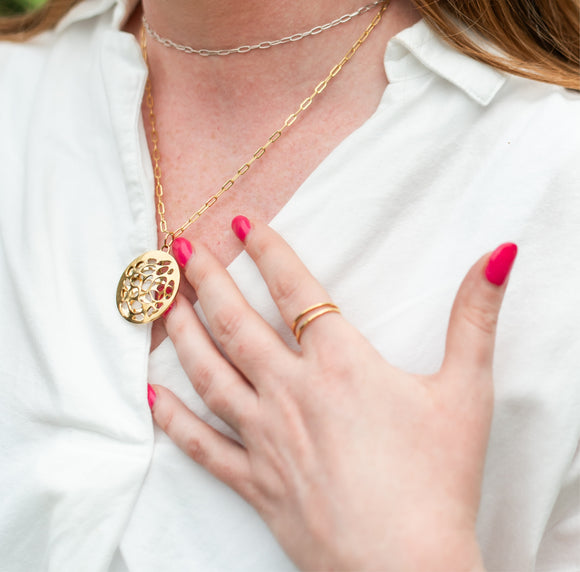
(212, 115)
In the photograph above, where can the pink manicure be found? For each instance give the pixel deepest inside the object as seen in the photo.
(241, 227)
(500, 263)
(151, 396)
(182, 250)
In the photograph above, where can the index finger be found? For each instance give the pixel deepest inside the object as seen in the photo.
(293, 288)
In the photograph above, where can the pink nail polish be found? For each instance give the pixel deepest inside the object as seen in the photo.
(182, 250)
(151, 396)
(500, 263)
(241, 227)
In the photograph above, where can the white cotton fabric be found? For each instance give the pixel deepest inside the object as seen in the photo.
(457, 159)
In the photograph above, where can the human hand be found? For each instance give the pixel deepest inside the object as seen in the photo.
(353, 463)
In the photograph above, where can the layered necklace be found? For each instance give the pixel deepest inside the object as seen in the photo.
(262, 45)
(150, 283)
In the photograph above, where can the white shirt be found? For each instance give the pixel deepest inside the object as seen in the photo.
(457, 159)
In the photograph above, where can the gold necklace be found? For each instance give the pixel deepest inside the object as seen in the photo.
(149, 284)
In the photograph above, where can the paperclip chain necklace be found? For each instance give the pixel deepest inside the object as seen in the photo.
(262, 45)
(149, 284)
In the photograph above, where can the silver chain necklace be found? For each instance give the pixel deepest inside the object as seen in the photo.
(262, 45)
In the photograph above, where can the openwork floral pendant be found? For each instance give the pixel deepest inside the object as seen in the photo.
(147, 287)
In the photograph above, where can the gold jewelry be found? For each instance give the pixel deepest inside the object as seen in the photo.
(149, 284)
(309, 315)
(262, 45)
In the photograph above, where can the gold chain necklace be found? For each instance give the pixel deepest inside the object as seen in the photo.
(149, 284)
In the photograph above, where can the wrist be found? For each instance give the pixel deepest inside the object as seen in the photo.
(435, 552)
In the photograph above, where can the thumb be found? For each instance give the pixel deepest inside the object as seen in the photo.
(472, 326)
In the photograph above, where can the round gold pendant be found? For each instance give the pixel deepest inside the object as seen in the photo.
(147, 287)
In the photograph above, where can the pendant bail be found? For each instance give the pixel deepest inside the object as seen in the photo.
(168, 242)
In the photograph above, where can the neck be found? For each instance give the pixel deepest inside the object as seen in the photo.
(229, 23)
(211, 24)
(262, 85)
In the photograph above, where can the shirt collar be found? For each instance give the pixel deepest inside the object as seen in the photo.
(412, 52)
(418, 50)
(122, 10)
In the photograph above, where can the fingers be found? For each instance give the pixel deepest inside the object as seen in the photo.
(221, 387)
(472, 326)
(248, 340)
(222, 457)
(291, 285)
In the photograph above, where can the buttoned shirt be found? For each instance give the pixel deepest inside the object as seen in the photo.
(457, 158)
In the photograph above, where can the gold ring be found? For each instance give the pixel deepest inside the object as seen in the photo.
(309, 315)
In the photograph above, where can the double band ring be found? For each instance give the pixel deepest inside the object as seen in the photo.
(309, 315)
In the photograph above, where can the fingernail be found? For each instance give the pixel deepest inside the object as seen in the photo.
(500, 263)
(182, 250)
(166, 313)
(241, 227)
(151, 396)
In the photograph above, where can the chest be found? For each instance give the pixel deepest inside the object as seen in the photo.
(236, 171)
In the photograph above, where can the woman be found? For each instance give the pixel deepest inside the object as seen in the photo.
(415, 159)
